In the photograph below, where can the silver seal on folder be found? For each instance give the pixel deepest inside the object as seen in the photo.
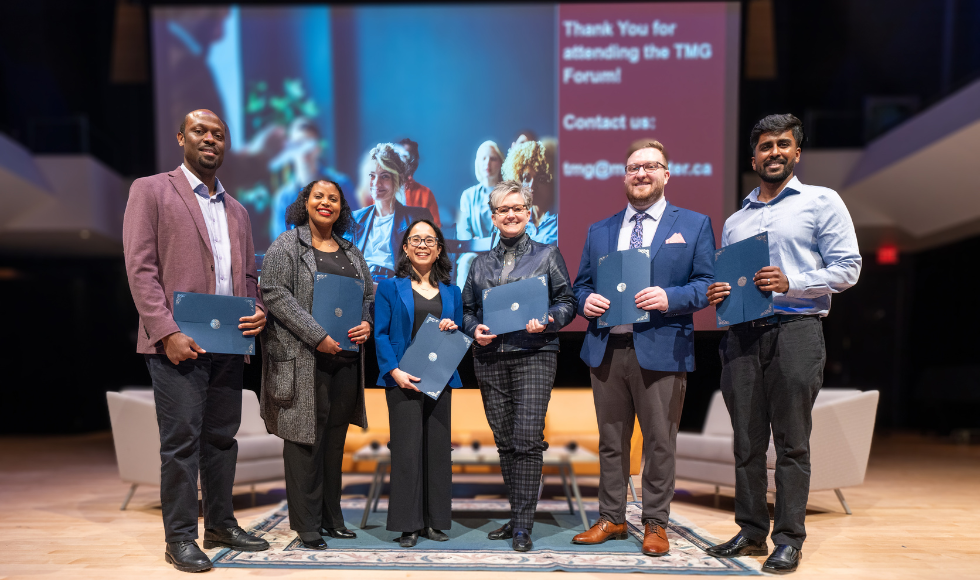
(215, 324)
(742, 281)
(515, 306)
(621, 286)
(433, 356)
(338, 312)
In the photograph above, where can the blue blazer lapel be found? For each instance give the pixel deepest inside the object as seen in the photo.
(615, 223)
(666, 222)
(404, 286)
(446, 294)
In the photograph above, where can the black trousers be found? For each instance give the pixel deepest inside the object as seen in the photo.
(421, 461)
(516, 389)
(622, 390)
(770, 378)
(314, 472)
(199, 410)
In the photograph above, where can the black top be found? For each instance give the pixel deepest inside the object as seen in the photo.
(424, 306)
(335, 263)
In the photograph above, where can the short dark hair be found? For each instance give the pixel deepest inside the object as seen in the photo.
(776, 124)
(296, 214)
(183, 123)
(442, 268)
(412, 150)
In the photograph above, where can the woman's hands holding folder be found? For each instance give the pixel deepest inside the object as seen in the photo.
(360, 333)
(328, 345)
(404, 380)
(480, 337)
(534, 326)
(447, 324)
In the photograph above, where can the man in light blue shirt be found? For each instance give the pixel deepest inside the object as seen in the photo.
(773, 367)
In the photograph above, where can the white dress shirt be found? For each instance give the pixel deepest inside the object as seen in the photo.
(213, 209)
(649, 226)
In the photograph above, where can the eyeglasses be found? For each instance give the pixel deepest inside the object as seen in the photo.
(504, 210)
(418, 241)
(633, 168)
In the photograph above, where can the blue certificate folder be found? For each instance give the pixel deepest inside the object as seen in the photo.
(736, 264)
(337, 302)
(434, 355)
(212, 321)
(621, 275)
(509, 307)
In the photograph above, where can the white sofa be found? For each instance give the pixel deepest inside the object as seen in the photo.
(843, 422)
(137, 440)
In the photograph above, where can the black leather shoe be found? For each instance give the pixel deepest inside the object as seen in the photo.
(339, 533)
(504, 532)
(434, 534)
(522, 540)
(408, 539)
(312, 540)
(738, 546)
(186, 556)
(235, 538)
(784, 559)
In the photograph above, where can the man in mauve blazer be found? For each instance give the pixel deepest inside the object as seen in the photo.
(182, 232)
(641, 369)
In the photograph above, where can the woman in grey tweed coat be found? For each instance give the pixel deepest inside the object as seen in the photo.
(311, 389)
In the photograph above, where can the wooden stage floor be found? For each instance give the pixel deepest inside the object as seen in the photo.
(915, 517)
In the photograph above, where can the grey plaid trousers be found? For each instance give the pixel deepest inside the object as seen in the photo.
(516, 389)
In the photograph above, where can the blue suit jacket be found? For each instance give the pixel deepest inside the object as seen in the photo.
(394, 317)
(683, 270)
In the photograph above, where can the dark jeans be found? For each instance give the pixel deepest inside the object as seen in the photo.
(199, 409)
(770, 378)
(516, 390)
(622, 390)
(421, 460)
(313, 472)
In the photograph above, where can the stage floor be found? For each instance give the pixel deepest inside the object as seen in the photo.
(915, 516)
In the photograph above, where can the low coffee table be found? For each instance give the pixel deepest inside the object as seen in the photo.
(562, 458)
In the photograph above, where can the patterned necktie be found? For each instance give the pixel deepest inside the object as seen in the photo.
(636, 238)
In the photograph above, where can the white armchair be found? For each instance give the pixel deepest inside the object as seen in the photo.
(136, 436)
(840, 442)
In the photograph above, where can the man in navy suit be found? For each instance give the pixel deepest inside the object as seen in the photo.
(641, 369)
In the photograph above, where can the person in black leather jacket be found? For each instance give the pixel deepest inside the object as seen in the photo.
(516, 370)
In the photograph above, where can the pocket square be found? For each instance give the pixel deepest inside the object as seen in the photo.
(677, 238)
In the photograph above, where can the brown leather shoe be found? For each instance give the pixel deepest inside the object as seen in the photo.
(602, 530)
(655, 540)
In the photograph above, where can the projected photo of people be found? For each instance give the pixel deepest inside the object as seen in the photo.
(474, 222)
(530, 163)
(379, 227)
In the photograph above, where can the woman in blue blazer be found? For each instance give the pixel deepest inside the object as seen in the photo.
(421, 468)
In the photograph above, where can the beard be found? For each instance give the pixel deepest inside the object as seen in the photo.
(209, 163)
(653, 197)
(788, 166)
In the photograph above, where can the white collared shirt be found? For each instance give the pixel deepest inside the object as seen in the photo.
(655, 211)
(213, 209)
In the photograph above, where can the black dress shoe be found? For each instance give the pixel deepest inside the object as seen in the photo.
(522, 540)
(235, 538)
(408, 539)
(186, 556)
(434, 534)
(784, 559)
(738, 546)
(339, 533)
(312, 540)
(504, 532)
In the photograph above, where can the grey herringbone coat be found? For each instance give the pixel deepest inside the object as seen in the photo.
(288, 400)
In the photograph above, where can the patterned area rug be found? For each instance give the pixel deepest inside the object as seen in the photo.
(469, 548)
